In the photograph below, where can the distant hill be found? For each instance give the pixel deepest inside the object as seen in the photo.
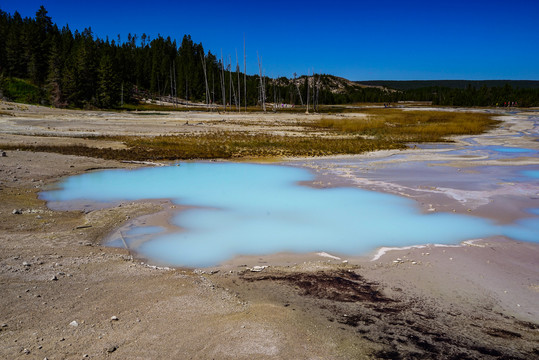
(453, 84)
(331, 83)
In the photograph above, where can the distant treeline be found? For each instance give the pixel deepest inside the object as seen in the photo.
(453, 84)
(465, 92)
(41, 63)
(469, 96)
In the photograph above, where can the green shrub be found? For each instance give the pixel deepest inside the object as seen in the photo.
(21, 91)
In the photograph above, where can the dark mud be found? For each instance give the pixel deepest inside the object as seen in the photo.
(342, 286)
(402, 327)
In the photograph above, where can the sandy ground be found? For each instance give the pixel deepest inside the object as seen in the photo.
(65, 296)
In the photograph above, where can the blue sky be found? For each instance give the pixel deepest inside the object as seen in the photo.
(358, 40)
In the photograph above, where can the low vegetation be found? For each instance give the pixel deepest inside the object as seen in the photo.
(222, 145)
(401, 126)
(381, 129)
(21, 91)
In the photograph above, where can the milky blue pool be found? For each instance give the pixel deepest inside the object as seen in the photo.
(248, 209)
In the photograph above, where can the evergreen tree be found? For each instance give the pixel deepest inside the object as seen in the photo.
(54, 78)
(14, 55)
(4, 20)
(108, 89)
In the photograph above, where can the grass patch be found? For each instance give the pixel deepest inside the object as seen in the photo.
(382, 129)
(222, 145)
(21, 91)
(410, 126)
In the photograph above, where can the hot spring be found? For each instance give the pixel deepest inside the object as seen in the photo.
(250, 209)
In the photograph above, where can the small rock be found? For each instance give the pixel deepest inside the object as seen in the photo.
(111, 348)
(26, 351)
(3, 325)
(16, 212)
(27, 264)
(74, 323)
(258, 268)
(85, 355)
(114, 318)
(54, 278)
(4, 154)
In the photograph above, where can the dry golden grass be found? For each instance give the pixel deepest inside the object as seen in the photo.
(382, 129)
(411, 126)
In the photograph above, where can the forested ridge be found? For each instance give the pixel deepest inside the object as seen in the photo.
(41, 63)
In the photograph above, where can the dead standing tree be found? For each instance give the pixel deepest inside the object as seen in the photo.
(222, 73)
(262, 84)
(173, 91)
(297, 87)
(244, 75)
(205, 80)
(308, 86)
(317, 91)
(232, 88)
(238, 103)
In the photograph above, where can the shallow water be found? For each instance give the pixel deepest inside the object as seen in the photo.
(248, 209)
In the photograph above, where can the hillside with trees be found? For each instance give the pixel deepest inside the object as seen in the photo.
(41, 63)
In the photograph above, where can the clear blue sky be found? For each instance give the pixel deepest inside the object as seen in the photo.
(358, 40)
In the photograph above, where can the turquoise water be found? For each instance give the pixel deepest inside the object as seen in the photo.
(510, 149)
(248, 209)
(534, 174)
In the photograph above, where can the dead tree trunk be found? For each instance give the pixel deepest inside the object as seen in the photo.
(299, 92)
(222, 73)
(205, 80)
(308, 86)
(238, 103)
(262, 85)
(244, 75)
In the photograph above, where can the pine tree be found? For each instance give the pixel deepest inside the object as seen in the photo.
(43, 29)
(108, 89)
(54, 78)
(4, 19)
(14, 53)
(71, 82)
